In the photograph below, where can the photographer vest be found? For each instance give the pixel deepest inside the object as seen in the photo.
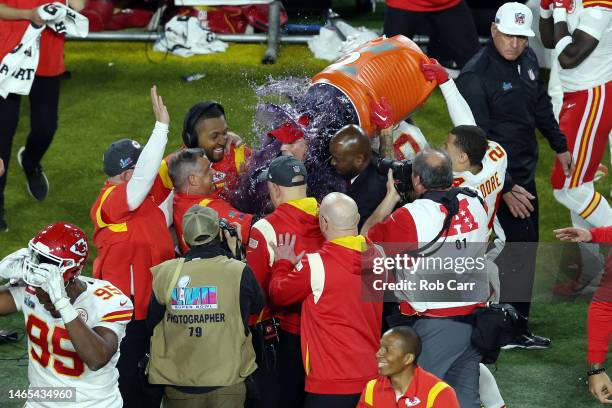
(201, 341)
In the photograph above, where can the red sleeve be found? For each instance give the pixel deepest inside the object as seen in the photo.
(225, 210)
(602, 234)
(115, 207)
(399, 228)
(289, 284)
(446, 399)
(599, 331)
(258, 258)
(159, 191)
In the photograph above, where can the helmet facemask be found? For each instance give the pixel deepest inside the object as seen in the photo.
(40, 254)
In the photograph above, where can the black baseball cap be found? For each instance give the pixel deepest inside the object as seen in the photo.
(120, 156)
(285, 171)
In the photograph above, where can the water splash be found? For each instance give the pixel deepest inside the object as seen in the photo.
(286, 100)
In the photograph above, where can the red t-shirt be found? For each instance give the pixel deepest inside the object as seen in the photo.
(51, 61)
(130, 242)
(183, 202)
(425, 390)
(422, 5)
(228, 169)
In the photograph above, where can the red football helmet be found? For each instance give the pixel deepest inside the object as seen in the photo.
(62, 244)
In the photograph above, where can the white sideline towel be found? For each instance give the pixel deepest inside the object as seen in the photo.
(64, 20)
(186, 36)
(18, 67)
(329, 46)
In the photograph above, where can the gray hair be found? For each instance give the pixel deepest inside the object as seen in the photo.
(435, 169)
(183, 164)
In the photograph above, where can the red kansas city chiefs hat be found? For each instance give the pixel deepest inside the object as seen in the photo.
(289, 132)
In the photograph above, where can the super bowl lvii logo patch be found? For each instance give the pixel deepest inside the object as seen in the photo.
(186, 298)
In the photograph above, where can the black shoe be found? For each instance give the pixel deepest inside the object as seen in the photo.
(3, 224)
(38, 185)
(528, 341)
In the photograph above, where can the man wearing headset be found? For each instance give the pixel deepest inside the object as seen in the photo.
(205, 126)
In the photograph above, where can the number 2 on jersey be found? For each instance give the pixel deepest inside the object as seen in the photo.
(496, 153)
(76, 369)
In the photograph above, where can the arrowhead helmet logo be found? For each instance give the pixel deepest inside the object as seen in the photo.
(79, 248)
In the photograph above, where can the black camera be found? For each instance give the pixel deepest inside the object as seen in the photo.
(224, 225)
(402, 173)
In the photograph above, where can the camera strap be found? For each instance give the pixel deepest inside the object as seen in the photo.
(451, 203)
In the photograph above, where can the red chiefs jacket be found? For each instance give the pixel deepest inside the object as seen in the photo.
(299, 217)
(341, 320)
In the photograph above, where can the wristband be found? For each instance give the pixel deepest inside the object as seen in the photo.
(545, 13)
(66, 310)
(560, 15)
(562, 43)
(595, 371)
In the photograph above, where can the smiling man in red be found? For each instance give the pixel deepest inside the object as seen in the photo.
(402, 383)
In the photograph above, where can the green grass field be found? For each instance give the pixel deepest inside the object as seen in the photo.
(108, 98)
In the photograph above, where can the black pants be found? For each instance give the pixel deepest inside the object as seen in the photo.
(453, 32)
(517, 262)
(44, 103)
(291, 371)
(331, 400)
(134, 346)
(284, 386)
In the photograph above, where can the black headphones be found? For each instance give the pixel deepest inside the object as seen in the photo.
(190, 137)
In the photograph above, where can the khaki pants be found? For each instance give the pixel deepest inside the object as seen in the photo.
(232, 396)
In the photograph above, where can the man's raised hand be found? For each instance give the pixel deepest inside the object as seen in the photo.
(160, 110)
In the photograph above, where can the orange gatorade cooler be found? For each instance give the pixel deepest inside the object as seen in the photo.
(388, 67)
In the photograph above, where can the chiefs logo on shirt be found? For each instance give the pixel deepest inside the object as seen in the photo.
(218, 176)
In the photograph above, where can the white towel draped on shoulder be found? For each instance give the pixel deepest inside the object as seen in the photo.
(18, 67)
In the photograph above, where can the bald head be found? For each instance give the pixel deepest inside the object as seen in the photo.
(353, 141)
(351, 150)
(340, 212)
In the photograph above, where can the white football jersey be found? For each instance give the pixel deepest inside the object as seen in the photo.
(53, 361)
(490, 180)
(408, 140)
(596, 21)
